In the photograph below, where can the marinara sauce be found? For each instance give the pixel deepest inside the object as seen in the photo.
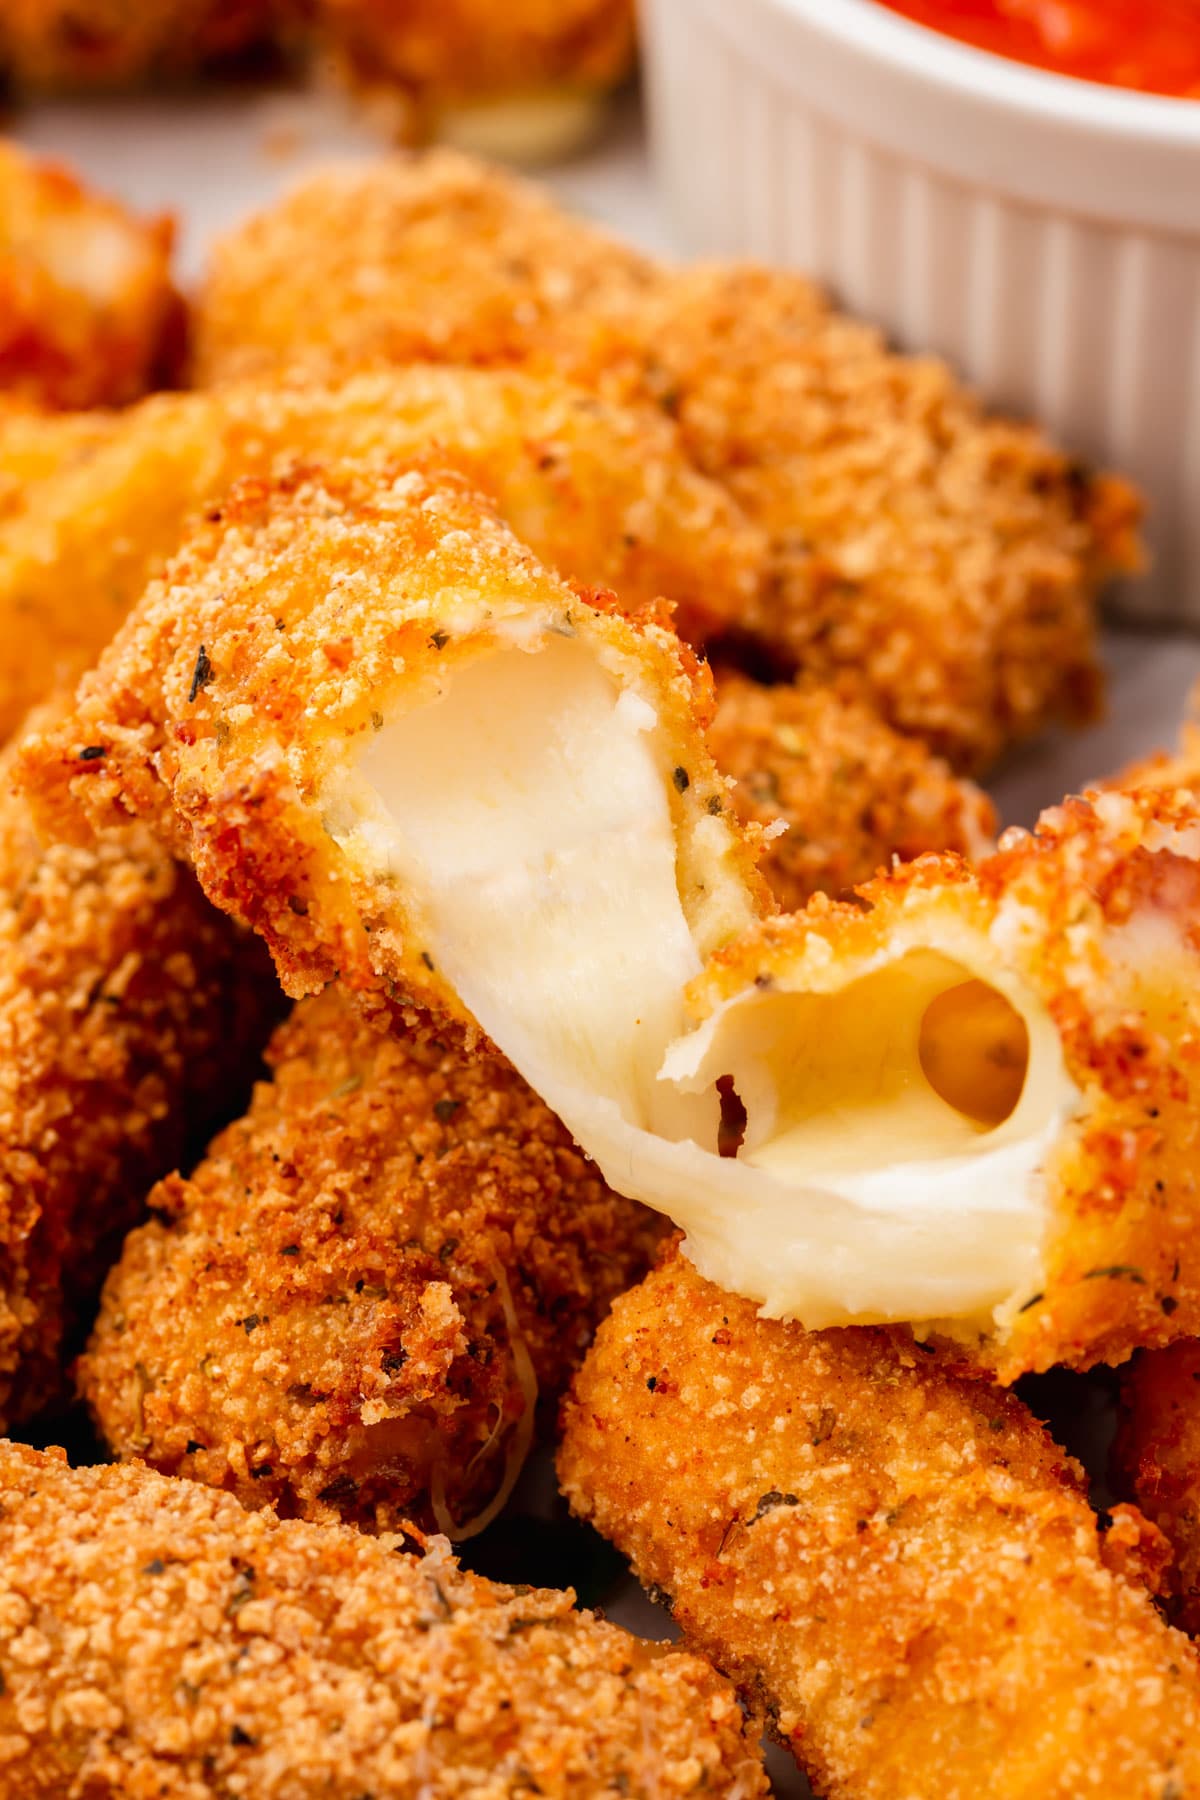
(1151, 45)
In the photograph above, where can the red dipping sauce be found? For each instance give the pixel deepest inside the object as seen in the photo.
(1150, 45)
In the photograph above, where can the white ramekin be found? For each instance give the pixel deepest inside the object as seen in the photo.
(1042, 234)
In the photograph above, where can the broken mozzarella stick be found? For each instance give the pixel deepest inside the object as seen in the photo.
(368, 1297)
(412, 757)
(901, 1565)
(157, 1640)
(975, 1094)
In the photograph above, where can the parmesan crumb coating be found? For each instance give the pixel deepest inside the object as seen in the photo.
(1093, 916)
(902, 1566)
(602, 492)
(297, 621)
(88, 315)
(851, 792)
(50, 46)
(466, 50)
(1157, 1460)
(937, 562)
(358, 1300)
(158, 1642)
(131, 1019)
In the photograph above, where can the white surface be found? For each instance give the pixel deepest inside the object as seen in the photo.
(213, 158)
(1041, 233)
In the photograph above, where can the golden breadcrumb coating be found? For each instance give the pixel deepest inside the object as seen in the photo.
(355, 1304)
(158, 1643)
(851, 791)
(131, 1019)
(88, 315)
(602, 492)
(512, 274)
(1093, 918)
(937, 562)
(902, 1566)
(461, 49)
(1157, 1459)
(57, 45)
(37, 446)
(934, 561)
(293, 625)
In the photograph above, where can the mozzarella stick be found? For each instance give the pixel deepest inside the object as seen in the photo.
(848, 791)
(900, 1565)
(989, 1074)
(1157, 1460)
(526, 81)
(51, 46)
(366, 1300)
(131, 1018)
(940, 564)
(157, 1640)
(602, 492)
(87, 309)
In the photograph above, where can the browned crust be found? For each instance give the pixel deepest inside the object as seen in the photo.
(131, 1018)
(51, 46)
(850, 792)
(319, 1318)
(156, 1640)
(902, 1566)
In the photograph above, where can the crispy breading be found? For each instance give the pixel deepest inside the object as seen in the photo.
(935, 561)
(158, 1642)
(1073, 959)
(131, 1019)
(851, 792)
(1157, 1460)
(902, 1566)
(355, 1304)
(56, 45)
(514, 277)
(298, 621)
(88, 314)
(602, 492)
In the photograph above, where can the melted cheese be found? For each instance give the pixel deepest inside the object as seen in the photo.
(900, 1114)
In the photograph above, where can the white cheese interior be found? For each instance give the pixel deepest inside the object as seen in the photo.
(527, 808)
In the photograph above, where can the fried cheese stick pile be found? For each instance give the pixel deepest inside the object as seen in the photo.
(87, 309)
(49, 46)
(414, 760)
(940, 564)
(361, 1298)
(603, 492)
(901, 1566)
(157, 1640)
(851, 792)
(131, 1015)
(1157, 1461)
